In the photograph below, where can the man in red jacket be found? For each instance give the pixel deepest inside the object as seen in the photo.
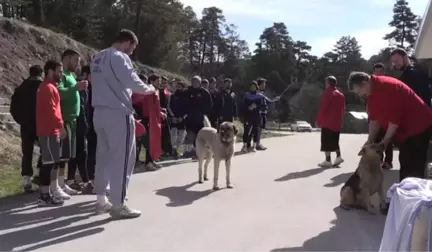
(50, 131)
(405, 116)
(330, 119)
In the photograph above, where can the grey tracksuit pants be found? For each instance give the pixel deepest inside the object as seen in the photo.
(115, 154)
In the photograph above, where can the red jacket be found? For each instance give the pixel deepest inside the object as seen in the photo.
(393, 101)
(150, 107)
(49, 120)
(331, 110)
(139, 128)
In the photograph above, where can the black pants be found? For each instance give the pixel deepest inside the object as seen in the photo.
(166, 138)
(80, 161)
(144, 141)
(192, 128)
(413, 155)
(91, 153)
(251, 132)
(28, 139)
(329, 140)
(262, 126)
(388, 158)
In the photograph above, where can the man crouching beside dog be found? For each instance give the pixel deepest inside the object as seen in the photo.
(218, 145)
(405, 116)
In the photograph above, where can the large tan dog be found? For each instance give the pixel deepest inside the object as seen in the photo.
(366, 181)
(217, 145)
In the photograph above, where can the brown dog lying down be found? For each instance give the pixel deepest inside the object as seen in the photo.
(217, 145)
(365, 182)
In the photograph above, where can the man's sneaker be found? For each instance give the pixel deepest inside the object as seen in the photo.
(45, 200)
(251, 149)
(260, 147)
(244, 149)
(87, 188)
(27, 184)
(338, 161)
(60, 194)
(105, 208)
(123, 212)
(36, 180)
(387, 166)
(325, 164)
(151, 167)
(69, 190)
(158, 166)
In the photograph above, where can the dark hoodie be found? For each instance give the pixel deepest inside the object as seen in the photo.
(23, 102)
(418, 81)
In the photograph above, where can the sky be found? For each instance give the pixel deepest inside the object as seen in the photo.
(318, 22)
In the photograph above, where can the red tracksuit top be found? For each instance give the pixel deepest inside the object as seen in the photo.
(331, 110)
(49, 120)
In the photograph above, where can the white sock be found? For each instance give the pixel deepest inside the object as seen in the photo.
(101, 199)
(61, 181)
(54, 185)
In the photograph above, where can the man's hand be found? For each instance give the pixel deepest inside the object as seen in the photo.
(81, 85)
(63, 133)
(277, 98)
(252, 106)
(164, 110)
(163, 115)
(179, 119)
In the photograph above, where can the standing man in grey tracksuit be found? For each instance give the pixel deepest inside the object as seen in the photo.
(113, 80)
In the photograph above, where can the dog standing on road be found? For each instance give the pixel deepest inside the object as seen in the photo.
(217, 145)
(366, 181)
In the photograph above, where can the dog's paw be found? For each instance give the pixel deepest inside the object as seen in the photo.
(205, 179)
(216, 188)
(230, 186)
(200, 181)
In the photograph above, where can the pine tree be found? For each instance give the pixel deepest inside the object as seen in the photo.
(405, 23)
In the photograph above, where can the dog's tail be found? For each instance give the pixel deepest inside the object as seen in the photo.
(206, 122)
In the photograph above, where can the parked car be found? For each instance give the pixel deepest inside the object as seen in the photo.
(301, 126)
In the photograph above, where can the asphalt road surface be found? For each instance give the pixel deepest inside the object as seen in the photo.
(281, 201)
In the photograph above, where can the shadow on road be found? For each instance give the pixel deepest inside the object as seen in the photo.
(390, 177)
(31, 229)
(352, 231)
(181, 196)
(302, 174)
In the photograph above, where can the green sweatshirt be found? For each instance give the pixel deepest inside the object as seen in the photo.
(69, 97)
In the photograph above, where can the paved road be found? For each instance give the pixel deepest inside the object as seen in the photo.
(281, 201)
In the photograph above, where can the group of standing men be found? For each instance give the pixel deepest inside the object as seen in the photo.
(398, 109)
(94, 123)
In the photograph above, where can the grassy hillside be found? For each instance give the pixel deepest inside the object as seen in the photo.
(23, 45)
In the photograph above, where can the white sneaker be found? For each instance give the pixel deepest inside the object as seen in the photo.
(325, 164)
(338, 161)
(105, 208)
(244, 149)
(60, 194)
(123, 212)
(69, 190)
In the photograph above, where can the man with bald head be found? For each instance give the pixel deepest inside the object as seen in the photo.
(330, 120)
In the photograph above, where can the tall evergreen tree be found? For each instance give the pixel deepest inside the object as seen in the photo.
(405, 24)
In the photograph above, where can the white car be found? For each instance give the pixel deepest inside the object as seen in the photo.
(301, 126)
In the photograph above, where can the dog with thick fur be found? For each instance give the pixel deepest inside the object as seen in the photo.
(218, 145)
(366, 181)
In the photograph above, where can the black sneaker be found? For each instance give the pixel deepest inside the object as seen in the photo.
(261, 148)
(28, 188)
(36, 180)
(45, 200)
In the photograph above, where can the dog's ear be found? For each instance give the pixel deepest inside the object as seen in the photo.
(362, 151)
(235, 130)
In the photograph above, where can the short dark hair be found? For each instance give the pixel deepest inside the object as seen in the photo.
(204, 81)
(357, 78)
(142, 77)
(212, 79)
(378, 65)
(400, 52)
(182, 84)
(261, 81)
(254, 83)
(36, 71)
(227, 80)
(153, 77)
(69, 52)
(85, 69)
(125, 35)
(332, 81)
(51, 65)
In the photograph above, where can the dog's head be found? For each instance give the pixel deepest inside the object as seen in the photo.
(372, 150)
(227, 132)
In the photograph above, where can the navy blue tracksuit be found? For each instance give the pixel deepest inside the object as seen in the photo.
(228, 109)
(252, 118)
(199, 103)
(177, 108)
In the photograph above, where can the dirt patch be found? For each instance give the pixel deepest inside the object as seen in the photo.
(23, 45)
